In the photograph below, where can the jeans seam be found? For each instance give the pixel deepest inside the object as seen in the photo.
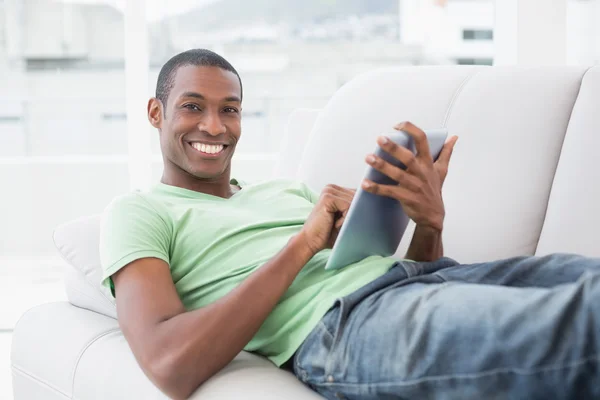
(411, 269)
(444, 280)
(298, 370)
(330, 361)
(326, 329)
(515, 371)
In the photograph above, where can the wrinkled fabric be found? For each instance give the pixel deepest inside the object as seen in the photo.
(521, 328)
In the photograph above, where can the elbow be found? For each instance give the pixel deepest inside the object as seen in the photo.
(169, 375)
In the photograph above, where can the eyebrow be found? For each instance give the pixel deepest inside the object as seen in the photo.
(200, 97)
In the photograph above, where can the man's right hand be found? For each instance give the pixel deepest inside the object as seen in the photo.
(323, 224)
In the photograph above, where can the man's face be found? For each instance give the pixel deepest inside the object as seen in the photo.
(201, 123)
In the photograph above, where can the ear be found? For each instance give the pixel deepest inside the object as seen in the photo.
(155, 112)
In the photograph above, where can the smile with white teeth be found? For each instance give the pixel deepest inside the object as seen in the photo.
(207, 148)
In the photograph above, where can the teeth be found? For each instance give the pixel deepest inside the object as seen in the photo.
(207, 148)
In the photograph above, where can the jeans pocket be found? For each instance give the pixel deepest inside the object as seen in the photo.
(313, 357)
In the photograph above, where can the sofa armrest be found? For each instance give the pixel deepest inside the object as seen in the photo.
(64, 352)
(49, 341)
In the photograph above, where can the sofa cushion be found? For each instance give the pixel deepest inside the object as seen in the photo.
(511, 124)
(77, 241)
(573, 214)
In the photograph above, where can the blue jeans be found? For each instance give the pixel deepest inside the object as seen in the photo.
(522, 328)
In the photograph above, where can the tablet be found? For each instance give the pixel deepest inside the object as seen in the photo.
(375, 224)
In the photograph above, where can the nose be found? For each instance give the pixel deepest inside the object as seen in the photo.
(212, 124)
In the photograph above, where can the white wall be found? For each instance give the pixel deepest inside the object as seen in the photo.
(13, 28)
(556, 32)
(583, 32)
(37, 197)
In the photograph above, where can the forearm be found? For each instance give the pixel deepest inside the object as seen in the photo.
(426, 245)
(199, 343)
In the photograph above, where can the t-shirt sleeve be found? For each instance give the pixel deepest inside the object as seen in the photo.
(310, 194)
(131, 229)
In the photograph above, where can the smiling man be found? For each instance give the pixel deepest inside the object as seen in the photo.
(203, 266)
(195, 156)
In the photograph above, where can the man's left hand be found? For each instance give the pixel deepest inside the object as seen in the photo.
(419, 187)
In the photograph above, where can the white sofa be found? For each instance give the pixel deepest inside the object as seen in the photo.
(524, 179)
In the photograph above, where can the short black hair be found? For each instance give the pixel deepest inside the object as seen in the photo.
(196, 57)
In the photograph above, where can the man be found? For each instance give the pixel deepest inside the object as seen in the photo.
(203, 266)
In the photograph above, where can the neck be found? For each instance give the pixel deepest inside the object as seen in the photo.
(219, 186)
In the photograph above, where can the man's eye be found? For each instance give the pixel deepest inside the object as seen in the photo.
(230, 110)
(192, 107)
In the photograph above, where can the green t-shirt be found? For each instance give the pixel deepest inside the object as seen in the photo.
(212, 244)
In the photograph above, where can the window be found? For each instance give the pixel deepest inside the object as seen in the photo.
(63, 143)
(474, 34)
(62, 126)
(475, 61)
(65, 73)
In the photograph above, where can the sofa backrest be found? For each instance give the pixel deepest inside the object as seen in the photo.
(573, 216)
(297, 131)
(511, 123)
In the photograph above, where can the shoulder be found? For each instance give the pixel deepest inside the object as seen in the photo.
(134, 207)
(277, 183)
(135, 201)
(133, 223)
(133, 227)
(288, 186)
(274, 185)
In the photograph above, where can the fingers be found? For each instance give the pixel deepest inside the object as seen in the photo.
(402, 177)
(443, 161)
(340, 191)
(401, 154)
(394, 191)
(420, 138)
(446, 153)
(338, 198)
